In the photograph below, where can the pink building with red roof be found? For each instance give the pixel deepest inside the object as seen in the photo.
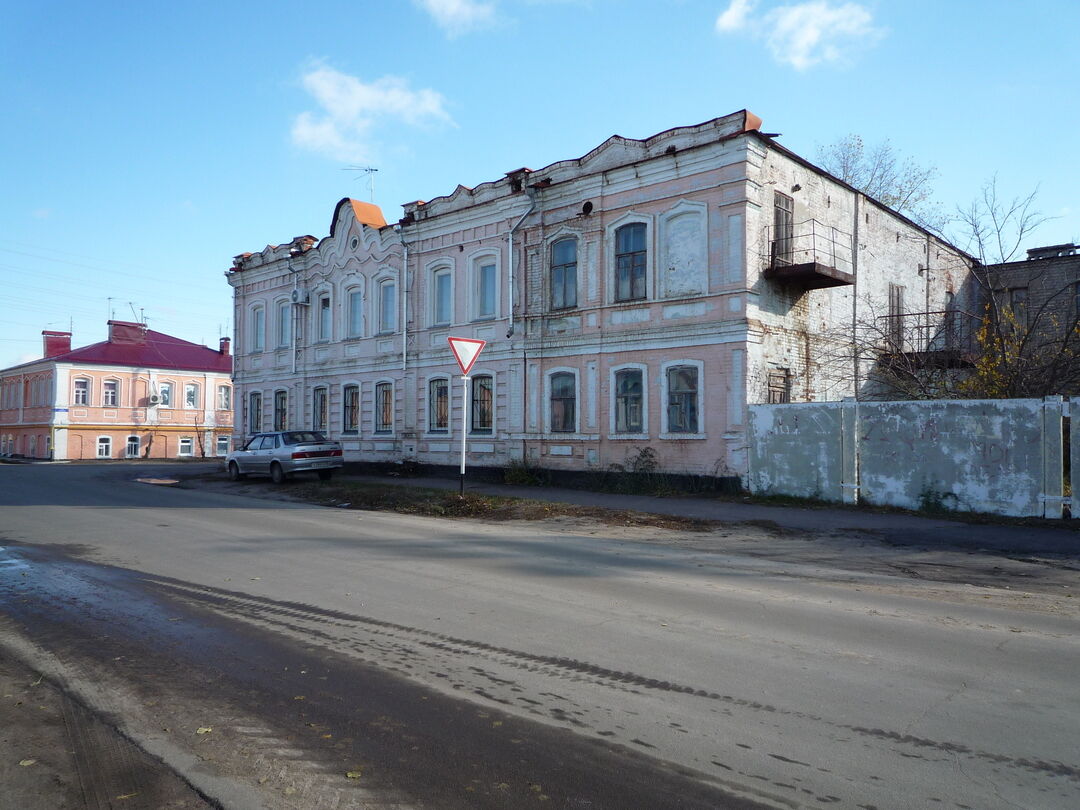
(139, 394)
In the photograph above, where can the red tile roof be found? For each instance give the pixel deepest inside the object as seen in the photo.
(158, 351)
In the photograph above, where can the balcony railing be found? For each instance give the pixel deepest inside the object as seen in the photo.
(812, 255)
(943, 338)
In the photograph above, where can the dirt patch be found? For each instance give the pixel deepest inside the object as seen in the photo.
(442, 503)
(56, 755)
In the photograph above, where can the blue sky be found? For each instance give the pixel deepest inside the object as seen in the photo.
(146, 144)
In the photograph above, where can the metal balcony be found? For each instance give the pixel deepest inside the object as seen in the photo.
(941, 339)
(811, 256)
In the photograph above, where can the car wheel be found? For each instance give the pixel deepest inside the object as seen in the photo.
(234, 471)
(277, 475)
(325, 475)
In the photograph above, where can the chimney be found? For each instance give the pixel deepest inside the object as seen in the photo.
(127, 332)
(224, 346)
(56, 343)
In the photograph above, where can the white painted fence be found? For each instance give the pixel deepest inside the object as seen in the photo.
(1002, 456)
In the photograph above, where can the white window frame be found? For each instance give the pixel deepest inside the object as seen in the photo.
(180, 447)
(345, 387)
(224, 397)
(473, 374)
(198, 395)
(105, 392)
(548, 374)
(354, 327)
(549, 287)
(611, 271)
(325, 426)
(283, 313)
(613, 401)
(381, 284)
(220, 451)
(254, 425)
(376, 408)
(258, 328)
(323, 329)
(87, 391)
(478, 260)
(429, 430)
(107, 441)
(127, 447)
(701, 431)
(435, 273)
(274, 412)
(167, 401)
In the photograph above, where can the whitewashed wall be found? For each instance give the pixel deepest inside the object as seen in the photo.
(996, 456)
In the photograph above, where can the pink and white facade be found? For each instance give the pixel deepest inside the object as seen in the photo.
(139, 394)
(639, 296)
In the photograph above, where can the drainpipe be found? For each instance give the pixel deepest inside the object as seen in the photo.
(510, 259)
(855, 299)
(404, 304)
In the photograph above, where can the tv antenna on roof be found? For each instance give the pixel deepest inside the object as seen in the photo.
(370, 172)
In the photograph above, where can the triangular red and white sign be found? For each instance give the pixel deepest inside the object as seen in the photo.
(466, 350)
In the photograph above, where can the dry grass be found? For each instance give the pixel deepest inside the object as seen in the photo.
(448, 504)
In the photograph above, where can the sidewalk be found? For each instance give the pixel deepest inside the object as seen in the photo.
(895, 528)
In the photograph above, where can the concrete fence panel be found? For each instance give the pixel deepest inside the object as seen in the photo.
(796, 450)
(997, 456)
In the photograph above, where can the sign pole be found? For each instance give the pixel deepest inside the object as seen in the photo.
(465, 350)
(464, 430)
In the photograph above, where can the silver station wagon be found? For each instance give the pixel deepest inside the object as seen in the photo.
(283, 453)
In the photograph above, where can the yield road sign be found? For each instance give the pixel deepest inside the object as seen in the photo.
(465, 350)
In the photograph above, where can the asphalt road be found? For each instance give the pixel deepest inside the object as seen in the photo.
(352, 659)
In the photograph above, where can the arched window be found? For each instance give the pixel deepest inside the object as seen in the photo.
(442, 301)
(384, 407)
(629, 400)
(82, 392)
(439, 406)
(320, 408)
(355, 298)
(387, 305)
(682, 404)
(483, 404)
(258, 329)
(564, 274)
(254, 412)
(350, 415)
(284, 324)
(630, 256)
(563, 403)
(110, 393)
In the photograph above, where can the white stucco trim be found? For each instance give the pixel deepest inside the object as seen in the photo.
(664, 432)
(612, 409)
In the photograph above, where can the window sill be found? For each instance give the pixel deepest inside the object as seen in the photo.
(485, 318)
(629, 437)
(676, 436)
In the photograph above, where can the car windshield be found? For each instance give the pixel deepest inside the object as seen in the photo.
(303, 437)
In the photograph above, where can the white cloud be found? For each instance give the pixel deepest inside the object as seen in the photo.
(735, 17)
(350, 110)
(459, 16)
(805, 34)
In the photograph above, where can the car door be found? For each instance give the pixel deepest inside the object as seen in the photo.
(261, 456)
(246, 457)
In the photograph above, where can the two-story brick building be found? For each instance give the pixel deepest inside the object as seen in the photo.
(637, 297)
(138, 394)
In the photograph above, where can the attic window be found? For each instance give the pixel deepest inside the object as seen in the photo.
(515, 184)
